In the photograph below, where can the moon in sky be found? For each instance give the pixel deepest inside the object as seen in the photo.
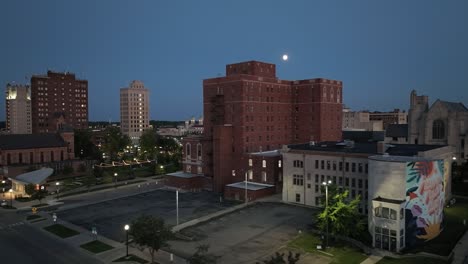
(285, 57)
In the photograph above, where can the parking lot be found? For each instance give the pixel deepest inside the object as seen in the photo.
(247, 235)
(109, 217)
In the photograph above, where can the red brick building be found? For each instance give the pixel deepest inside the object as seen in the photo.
(250, 113)
(58, 98)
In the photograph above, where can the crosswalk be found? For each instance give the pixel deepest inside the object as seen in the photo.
(5, 226)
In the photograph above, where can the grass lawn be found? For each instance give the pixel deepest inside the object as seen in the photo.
(131, 258)
(454, 228)
(96, 246)
(418, 260)
(342, 253)
(61, 231)
(32, 217)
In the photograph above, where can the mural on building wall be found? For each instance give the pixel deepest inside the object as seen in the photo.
(425, 199)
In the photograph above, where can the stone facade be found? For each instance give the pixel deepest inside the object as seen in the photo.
(444, 123)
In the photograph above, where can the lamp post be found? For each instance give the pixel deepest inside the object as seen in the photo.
(115, 179)
(11, 197)
(3, 188)
(245, 191)
(126, 227)
(58, 189)
(177, 206)
(326, 184)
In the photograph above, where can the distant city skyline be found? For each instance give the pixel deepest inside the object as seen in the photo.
(380, 50)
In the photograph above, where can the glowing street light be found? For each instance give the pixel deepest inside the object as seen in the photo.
(115, 179)
(326, 184)
(58, 189)
(11, 197)
(126, 227)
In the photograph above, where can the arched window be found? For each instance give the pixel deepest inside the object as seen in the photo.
(187, 150)
(438, 129)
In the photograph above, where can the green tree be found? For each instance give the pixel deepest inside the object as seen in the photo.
(148, 143)
(201, 256)
(39, 195)
(342, 215)
(30, 189)
(279, 259)
(115, 142)
(84, 146)
(150, 232)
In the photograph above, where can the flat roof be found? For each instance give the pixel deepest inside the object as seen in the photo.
(365, 148)
(251, 186)
(182, 174)
(398, 158)
(386, 200)
(270, 153)
(34, 177)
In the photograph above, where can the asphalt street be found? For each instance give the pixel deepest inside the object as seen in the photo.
(21, 243)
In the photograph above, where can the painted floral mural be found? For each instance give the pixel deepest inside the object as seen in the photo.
(425, 200)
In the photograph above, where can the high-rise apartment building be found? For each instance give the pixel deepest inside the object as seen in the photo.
(249, 114)
(134, 110)
(18, 109)
(56, 99)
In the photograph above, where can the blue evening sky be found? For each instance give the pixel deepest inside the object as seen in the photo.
(381, 50)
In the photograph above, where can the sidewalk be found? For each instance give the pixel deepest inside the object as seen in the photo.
(52, 199)
(108, 256)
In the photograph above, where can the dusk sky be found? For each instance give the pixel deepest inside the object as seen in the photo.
(381, 50)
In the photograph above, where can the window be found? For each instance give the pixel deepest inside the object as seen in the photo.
(360, 183)
(188, 169)
(250, 174)
(347, 182)
(279, 163)
(316, 164)
(308, 177)
(187, 150)
(316, 178)
(353, 167)
(199, 151)
(250, 162)
(438, 129)
(233, 172)
(308, 186)
(298, 164)
(298, 198)
(360, 167)
(316, 188)
(264, 163)
(264, 176)
(322, 164)
(298, 180)
(340, 181)
(347, 166)
(334, 165)
(367, 168)
(353, 182)
(328, 165)
(199, 170)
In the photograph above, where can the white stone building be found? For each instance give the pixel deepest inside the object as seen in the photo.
(18, 109)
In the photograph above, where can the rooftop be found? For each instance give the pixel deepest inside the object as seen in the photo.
(31, 141)
(364, 148)
(397, 130)
(35, 177)
(454, 107)
(251, 186)
(385, 200)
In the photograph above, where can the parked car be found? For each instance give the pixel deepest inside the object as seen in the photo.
(4, 203)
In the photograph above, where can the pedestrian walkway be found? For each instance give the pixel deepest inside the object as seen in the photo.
(52, 199)
(461, 250)
(118, 251)
(372, 259)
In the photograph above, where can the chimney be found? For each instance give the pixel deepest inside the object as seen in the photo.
(381, 147)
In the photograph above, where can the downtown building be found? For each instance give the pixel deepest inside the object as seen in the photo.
(58, 99)
(248, 115)
(18, 109)
(403, 188)
(134, 110)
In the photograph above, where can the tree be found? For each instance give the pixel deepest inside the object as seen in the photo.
(115, 142)
(39, 195)
(84, 146)
(30, 189)
(279, 259)
(342, 215)
(201, 256)
(150, 232)
(148, 143)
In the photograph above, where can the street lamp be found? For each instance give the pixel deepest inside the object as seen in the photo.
(11, 197)
(326, 184)
(126, 227)
(3, 188)
(115, 179)
(58, 189)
